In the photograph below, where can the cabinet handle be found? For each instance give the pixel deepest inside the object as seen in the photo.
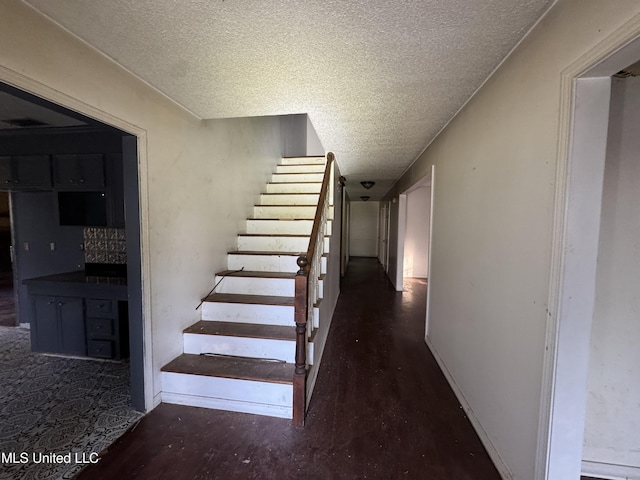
(82, 180)
(60, 304)
(51, 302)
(8, 181)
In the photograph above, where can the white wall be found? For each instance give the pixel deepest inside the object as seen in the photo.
(492, 230)
(612, 430)
(192, 199)
(314, 146)
(416, 241)
(363, 229)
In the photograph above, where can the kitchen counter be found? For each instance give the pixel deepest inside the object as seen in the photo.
(78, 283)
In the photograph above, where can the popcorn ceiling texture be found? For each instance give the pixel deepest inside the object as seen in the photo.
(379, 79)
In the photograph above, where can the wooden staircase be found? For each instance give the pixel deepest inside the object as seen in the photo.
(240, 356)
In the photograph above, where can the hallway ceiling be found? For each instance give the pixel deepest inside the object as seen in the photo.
(378, 79)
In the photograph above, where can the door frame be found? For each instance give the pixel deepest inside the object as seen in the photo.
(142, 397)
(583, 126)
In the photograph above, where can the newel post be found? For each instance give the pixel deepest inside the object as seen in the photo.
(300, 317)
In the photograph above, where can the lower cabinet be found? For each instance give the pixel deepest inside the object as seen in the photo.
(107, 329)
(60, 325)
(81, 326)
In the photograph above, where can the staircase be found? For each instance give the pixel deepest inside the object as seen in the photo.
(240, 356)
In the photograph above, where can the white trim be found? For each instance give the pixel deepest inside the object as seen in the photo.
(227, 405)
(608, 471)
(430, 253)
(18, 80)
(502, 468)
(559, 442)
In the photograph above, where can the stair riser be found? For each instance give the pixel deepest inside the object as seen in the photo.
(248, 313)
(268, 263)
(290, 227)
(260, 398)
(289, 199)
(294, 187)
(273, 244)
(272, 227)
(284, 350)
(263, 263)
(303, 161)
(310, 168)
(283, 212)
(280, 287)
(296, 177)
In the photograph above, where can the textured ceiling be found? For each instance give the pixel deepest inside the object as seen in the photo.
(379, 79)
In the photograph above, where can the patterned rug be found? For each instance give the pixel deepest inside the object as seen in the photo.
(57, 414)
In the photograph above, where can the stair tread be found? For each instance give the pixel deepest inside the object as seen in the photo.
(249, 273)
(290, 193)
(249, 330)
(284, 219)
(292, 183)
(232, 367)
(249, 299)
(287, 235)
(256, 252)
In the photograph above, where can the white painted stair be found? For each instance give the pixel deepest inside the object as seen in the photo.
(240, 355)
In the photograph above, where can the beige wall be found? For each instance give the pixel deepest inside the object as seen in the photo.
(363, 229)
(492, 229)
(194, 175)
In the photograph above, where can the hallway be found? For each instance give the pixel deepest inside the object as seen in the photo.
(381, 410)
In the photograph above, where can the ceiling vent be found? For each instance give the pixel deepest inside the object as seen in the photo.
(25, 122)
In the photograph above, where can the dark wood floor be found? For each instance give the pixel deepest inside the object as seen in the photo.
(381, 410)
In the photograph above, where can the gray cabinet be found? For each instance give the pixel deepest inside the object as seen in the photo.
(77, 314)
(59, 326)
(25, 172)
(107, 329)
(79, 170)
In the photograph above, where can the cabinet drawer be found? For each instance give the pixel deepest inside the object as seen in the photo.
(100, 327)
(100, 348)
(100, 308)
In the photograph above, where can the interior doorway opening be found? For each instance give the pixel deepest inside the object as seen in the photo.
(49, 153)
(593, 250)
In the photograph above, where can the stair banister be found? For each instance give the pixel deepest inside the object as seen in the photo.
(306, 295)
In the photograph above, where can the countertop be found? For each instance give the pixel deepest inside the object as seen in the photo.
(78, 283)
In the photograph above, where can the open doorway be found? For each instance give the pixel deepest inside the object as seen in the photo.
(592, 364)
(8, 316)
(410, 217)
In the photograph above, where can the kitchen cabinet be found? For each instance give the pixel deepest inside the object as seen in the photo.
(106, 329)
(60, 326)
(78, 314)
(25, 172)
(79, 170)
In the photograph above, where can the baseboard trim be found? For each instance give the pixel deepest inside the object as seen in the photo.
(228, 405)
(610, 471)
(502, 468)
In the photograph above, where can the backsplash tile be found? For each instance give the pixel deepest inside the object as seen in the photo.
(105, 245)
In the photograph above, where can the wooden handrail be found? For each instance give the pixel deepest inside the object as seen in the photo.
(317, 219)
(301, 304)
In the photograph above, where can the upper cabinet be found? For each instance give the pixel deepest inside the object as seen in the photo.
(79, 170)
(25, 172)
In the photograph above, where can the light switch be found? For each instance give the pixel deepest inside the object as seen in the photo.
(25, 246)
(52, 246)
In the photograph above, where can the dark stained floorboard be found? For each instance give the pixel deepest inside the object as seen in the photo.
(381, 410)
